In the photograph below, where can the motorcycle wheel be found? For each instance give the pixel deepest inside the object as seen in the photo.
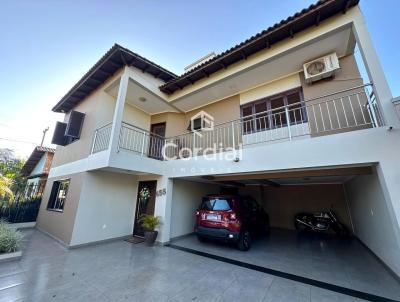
(300, 227)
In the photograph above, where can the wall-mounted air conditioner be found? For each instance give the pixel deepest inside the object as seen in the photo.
(321, 68)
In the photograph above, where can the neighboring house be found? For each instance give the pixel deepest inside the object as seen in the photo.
(298, 134)
(36, 170)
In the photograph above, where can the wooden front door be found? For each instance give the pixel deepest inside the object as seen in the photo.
(144, 206)
(157, 140)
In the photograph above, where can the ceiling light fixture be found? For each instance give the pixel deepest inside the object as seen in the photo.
(142, 99)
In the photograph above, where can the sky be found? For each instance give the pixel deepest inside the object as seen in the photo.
(47, 46)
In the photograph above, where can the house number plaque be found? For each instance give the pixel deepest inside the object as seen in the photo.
(161, 192)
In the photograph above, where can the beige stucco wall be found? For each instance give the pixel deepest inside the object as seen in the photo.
(222, 111)
(372, 219)
(99, 109)
(347, 77)
(60, 224)
(135, 116)
(175, 122)
(106, 207)
(272, 88)
(186, 198)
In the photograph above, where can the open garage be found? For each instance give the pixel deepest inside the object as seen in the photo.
(364, 262)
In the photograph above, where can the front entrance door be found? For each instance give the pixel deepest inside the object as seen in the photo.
(144, 205)
(157, 140)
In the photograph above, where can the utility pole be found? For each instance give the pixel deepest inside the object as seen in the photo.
(44, 134)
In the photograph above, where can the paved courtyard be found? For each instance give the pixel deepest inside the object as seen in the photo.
(322, 257)
(120, 271)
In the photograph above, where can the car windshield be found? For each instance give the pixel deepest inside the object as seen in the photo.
(216, 204)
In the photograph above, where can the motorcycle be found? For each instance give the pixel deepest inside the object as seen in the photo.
(320, 222)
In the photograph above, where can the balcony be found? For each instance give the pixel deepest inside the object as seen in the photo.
(347, 110)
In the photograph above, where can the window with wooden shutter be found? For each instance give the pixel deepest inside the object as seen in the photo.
(75, 124)
(59, 137)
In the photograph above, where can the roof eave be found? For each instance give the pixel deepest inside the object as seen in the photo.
(314, 14)
(113, 60)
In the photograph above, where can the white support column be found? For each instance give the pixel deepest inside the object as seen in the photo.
(163, 207)
(119, 112)
(374, 69)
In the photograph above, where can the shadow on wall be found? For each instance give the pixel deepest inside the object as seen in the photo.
(372, 219)
(283, 203)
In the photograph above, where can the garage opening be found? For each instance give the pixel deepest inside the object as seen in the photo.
(364, 261)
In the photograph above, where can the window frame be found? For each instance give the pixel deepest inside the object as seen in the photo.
(267, 100)
(54, 195)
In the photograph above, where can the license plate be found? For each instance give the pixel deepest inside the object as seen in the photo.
(212, 217)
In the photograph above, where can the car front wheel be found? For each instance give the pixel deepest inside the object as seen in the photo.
(201, 238)
(244, 242)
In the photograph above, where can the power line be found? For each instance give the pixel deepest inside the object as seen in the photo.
(17, 141)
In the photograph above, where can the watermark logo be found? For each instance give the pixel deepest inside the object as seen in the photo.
(196, 144)
(175, 150)
(202, 121)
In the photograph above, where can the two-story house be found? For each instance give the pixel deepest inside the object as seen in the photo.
(36, 170)
(284, 116)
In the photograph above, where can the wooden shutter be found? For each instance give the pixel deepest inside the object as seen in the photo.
(59, 137)
(53, 195)
(75, 123)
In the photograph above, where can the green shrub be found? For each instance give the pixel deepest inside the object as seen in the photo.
(10, 238)
(150, 222)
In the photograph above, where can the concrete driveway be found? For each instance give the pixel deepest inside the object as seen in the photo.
(322, 257)
(120, 271)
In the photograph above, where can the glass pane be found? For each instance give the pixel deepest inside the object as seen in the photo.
(216, 204)
(261, 117)
(296, 111)
(277, 116)
(248, 124)
(62, 195)
(246, 111)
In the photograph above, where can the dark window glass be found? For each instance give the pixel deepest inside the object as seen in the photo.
(58, 195)
(261, 117)
(216, 204)
(295, 108)
(278, 115)
(270, 113)
(248, 123)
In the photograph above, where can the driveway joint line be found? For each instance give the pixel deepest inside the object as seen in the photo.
(297, 278)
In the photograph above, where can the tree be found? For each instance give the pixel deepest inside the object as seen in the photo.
(10, 171)
(5, 187)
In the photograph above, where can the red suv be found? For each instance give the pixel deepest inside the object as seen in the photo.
(230, 218)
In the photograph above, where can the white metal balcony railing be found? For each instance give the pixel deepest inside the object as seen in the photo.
(135, 139)
(101, 138)
(346, 110)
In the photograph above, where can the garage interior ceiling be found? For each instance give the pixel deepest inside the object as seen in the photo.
(276, 179)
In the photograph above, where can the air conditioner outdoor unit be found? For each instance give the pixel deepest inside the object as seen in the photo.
(321, 68)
